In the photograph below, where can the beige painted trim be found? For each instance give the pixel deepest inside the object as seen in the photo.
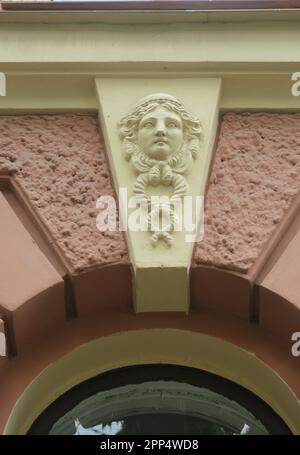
(40, 92)
(168, 346)
(115, 43)
(116, 17)
(50, 68)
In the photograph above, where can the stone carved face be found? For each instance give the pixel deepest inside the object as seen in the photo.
(160, 133)
(160, 130)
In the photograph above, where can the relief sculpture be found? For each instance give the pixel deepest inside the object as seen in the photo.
(161, 140)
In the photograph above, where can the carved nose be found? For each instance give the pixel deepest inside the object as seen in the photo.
(160, 130)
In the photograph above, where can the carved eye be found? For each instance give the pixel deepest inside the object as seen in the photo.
(172, 125)
(148, 125)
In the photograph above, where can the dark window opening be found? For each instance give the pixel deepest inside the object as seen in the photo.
(158, 399)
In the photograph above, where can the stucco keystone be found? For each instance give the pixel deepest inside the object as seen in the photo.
(159, 136)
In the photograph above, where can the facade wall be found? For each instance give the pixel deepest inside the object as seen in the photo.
(67, 289)
(61, 164)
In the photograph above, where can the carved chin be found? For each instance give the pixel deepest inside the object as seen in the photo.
(159, 153)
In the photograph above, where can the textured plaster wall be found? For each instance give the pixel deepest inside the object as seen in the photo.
(61, 164)
(255, 176)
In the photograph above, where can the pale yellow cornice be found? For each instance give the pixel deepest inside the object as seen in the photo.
(117, 17)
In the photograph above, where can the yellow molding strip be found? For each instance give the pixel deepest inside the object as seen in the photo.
(46, 93)
(146, 17)
(66, 43)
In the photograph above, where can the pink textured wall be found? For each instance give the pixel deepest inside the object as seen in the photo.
(255, 176)
(60, 162)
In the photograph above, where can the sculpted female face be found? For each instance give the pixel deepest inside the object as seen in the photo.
(160, 133)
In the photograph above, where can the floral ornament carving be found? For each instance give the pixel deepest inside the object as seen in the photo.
(161, 140)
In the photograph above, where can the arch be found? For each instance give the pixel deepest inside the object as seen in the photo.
(169, 346)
